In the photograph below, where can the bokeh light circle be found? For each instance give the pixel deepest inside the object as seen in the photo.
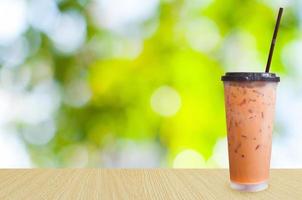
(189, 159)
(108, 15)
(202, 34)
(165, 101)
(69, 32)
(13, 21)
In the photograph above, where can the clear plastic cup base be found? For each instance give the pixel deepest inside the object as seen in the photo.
(249, 187)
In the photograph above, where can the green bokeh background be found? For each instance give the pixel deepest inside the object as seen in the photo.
(122, 86)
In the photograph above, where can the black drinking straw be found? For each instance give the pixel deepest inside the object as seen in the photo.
(271, 51)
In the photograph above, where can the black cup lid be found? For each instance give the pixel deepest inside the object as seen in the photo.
(250, 76)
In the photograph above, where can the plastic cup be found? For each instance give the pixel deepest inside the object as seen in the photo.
(250, 107)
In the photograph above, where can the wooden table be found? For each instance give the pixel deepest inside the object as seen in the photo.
(138, 184)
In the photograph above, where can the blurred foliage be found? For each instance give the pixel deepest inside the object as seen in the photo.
(122, 86)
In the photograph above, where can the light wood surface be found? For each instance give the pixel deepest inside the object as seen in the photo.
(139, 184)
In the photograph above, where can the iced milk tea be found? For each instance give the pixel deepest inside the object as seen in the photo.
(250, 107)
